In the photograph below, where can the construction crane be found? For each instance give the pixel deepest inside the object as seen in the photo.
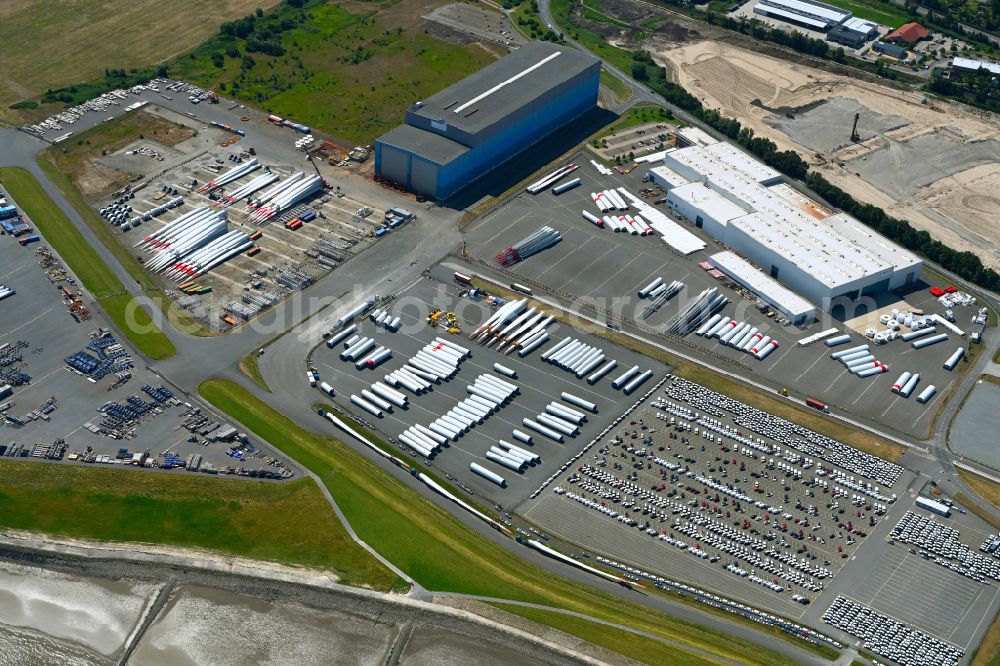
(855, 137)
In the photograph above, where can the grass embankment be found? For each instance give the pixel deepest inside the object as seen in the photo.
(134, 322)
(250, 366)
(66, 165)
(986, 490)
(640, 115)
(351, 70)
(80, 40)
(438, 550)
(773, 404)
(615, 87)
(641, 648)
(988, 652)
(289, 522)
(562, 13)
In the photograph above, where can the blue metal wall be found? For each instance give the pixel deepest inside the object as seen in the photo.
(550, 114)
(561, 106)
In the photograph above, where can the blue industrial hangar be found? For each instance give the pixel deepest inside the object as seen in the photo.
(463, 132)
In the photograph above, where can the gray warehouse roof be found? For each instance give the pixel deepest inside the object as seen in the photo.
(431, 146)
(512, 82)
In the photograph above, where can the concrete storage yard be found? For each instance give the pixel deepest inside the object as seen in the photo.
(37, 315)
(938, 170)
(539, 384)
(202, 158)
(600, 272)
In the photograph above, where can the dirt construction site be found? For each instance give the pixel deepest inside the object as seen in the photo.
(931, 162)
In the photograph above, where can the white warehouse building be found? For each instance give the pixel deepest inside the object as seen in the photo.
(745, 205)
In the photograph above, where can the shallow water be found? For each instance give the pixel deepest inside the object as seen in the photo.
(208, 626)
(98, 614)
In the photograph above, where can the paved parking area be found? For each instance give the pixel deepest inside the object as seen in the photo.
(922, 594)
(597, 268)
(539, 383)
(37, 314)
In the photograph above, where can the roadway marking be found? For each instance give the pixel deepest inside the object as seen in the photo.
(585, 269)
(613, 275)
(870, 385)
(27, 323)
(568, 255)
(818, 359)
(16, 270)
(493, 237)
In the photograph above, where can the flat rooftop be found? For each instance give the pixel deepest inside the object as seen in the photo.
(816, 247)
(494, 92)
(855, 231)
(702, 197)
(801, 7)
(436, 148)
(775, 294)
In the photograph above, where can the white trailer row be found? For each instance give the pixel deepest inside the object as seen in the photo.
(601, 169)
(741, 336)
(860, 361)
(6, 291)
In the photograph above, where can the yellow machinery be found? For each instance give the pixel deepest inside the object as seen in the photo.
(452, 320)
(434, 317)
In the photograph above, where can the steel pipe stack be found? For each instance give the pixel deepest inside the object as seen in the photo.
(542, 239)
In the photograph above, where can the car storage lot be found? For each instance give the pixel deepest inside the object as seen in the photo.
(594, 267)
(539, 384)
(919, 592)
(629, 481)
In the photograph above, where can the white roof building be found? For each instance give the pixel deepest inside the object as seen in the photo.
(695, 136)
(782, 299)
(970, 65)
(821, 259)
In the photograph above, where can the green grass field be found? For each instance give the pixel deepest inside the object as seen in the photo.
(81, 258)
(615, 86)
(349, 70)
(638, 647)
(883, 13)
(289, 522)
(54, 43)
(436, 549)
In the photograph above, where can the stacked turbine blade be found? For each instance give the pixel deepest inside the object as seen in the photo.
(260, 182)
(698, 311)
(542, 239)
(512, 327)
(299, 190)
(235, 173)
(660, 295)
(193, 244)
(550, 179)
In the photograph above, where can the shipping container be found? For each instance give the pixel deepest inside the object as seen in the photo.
(28, 239)
(308, 216)
(464, 279)
(254, 251)
(7, 212)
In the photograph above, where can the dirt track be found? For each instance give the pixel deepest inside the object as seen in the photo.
(956, 202)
